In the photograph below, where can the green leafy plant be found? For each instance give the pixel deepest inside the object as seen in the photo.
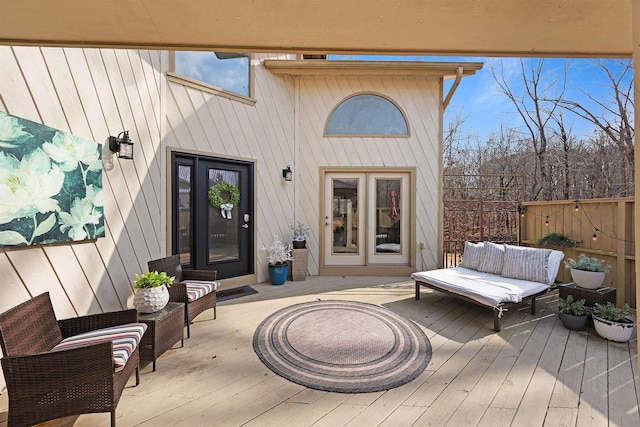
(610, 312)
(572, 306)
(153, 279)
(587, 264)
(557, 239)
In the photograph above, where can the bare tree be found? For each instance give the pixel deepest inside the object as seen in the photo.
(536, 107)
(615, 118)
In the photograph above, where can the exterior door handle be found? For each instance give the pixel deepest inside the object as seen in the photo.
(245, 225)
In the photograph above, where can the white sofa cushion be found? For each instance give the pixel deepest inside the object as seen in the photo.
(526, 263)
(492, 258)
(472, 255)
(488, 289)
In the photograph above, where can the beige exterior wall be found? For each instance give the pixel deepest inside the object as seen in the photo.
(95, 93)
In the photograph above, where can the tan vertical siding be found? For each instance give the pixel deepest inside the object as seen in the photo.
(92, 94)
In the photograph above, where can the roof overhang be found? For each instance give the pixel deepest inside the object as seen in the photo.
(371, 68)
(427, 27)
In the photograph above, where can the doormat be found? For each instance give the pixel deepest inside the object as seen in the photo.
(234, 293)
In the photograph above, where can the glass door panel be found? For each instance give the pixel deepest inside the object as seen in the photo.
(344, 219)
(388, 215)
(185, 213)
(223, 224)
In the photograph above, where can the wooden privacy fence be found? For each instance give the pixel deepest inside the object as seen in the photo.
(610, 220)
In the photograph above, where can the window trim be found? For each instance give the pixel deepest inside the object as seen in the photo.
(370, 135)
(209, 88)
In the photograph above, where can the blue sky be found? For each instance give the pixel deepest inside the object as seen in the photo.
(485, 108)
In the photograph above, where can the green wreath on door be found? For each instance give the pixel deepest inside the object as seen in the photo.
(215, 195)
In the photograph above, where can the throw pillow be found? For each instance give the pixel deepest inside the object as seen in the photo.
(555, 259)
(526, 263)
(492, 258)
(472, 255)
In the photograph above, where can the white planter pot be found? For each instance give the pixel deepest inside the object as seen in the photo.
(150, 300)
(588, 279)
(613, 331)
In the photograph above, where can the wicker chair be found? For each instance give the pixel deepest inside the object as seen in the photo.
(178, 290)
(42, 384)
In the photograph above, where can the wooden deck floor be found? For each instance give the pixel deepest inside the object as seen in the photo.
(533, 373)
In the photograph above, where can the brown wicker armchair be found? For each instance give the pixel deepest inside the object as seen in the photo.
(178, 290)
(42, 384)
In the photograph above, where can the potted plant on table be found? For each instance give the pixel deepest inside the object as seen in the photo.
(574, 314)
(587, 272)
(613, 322)
(278, 255)
(299, 233)
(151, 293)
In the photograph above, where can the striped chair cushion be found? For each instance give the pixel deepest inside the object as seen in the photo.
(526, 263)
(198, 288)
(125, 339)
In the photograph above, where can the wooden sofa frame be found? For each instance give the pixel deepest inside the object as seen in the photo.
(497, 312)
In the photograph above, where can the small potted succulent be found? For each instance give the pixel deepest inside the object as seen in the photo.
(299, 234)
(278, 255)
(587, 272)
(151, 292)
(613, 323)
(574, 314)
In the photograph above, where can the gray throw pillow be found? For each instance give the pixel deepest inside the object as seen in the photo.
(526, 263)
(472, 255)
(492, 258)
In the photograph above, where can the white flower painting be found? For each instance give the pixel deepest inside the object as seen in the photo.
(50, 185)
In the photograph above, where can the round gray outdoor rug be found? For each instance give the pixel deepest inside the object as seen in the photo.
(342, 346)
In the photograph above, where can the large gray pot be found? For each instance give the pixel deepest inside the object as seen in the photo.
(575, 323)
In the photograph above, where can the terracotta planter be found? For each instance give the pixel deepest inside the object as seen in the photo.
(587, 279)
(575, 323)
(613, 331)
(150, 300)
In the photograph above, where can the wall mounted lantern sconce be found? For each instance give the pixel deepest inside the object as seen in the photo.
(122, 145)
(287, 173)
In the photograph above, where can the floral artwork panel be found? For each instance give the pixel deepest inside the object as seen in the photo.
(50, 185)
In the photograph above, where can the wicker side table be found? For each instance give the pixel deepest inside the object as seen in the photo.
(164, 329)
(601, 295)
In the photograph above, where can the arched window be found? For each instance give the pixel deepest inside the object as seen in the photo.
(367, 114)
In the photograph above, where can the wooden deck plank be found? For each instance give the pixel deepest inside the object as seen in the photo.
(561, 417)
(593, 409)
(517, 381)
(535, 402)
(623, 400)
(497, 417)
(566, 393)
(511, 341)
(446, 404)
(217, 379)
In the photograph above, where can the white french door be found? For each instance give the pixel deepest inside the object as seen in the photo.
(366, 218)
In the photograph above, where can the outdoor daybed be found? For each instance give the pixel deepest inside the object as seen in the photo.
(496, 276)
